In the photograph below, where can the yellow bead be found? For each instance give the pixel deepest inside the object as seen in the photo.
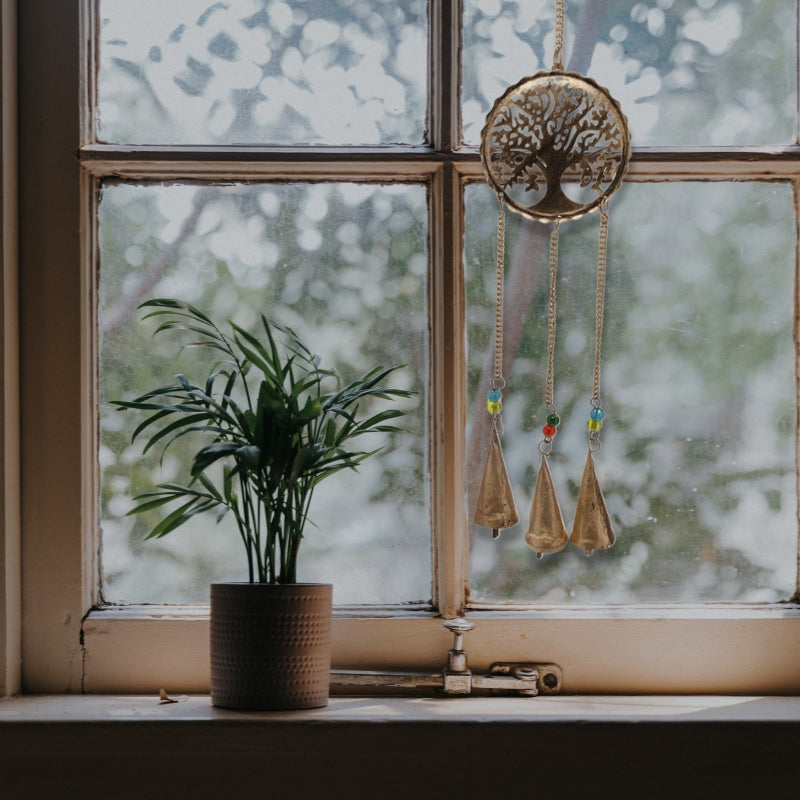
(594, 424)
(494, 406)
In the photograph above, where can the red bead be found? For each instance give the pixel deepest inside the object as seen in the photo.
(549, 431)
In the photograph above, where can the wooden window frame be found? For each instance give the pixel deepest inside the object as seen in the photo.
(69, 642)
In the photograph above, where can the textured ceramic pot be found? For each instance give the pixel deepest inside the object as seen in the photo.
(270, 645)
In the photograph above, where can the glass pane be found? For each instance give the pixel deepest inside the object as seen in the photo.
(345, 266)
(686, 72)
(698, 457)
(262, 72)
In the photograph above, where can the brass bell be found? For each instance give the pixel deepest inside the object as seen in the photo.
(546, 530)
(592, 528)
(496, 508)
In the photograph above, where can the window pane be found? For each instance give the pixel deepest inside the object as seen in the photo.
(686, 72)
(262, 72)
(345, 266)
(697, 462)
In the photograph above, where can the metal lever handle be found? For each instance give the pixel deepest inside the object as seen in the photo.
(457, 680)
(458, 627)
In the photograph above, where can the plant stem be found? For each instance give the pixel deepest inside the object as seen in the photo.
(244, 533)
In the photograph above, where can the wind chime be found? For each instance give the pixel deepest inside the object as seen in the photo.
(553, 129)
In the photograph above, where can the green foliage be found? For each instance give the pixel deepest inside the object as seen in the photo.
(273, 419)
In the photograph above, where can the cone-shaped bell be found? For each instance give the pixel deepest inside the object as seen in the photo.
(496, 508)
(592, 528)
(546, 530)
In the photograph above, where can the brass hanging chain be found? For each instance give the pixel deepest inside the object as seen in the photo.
(600, 300)
(552, 421)
(551, 317)
(494, 403)
(558, 64)
(595, 422)
(498, 382)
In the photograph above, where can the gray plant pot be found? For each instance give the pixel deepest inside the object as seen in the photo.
(270, 645)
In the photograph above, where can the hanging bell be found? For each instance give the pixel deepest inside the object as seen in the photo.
(546, 530)
(592, 528)
(496, 508)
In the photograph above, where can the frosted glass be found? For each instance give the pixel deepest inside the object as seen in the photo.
(345, 265)
(686, 72)
(698, 443)
(262, 72)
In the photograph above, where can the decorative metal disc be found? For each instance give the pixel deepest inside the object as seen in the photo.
(555, 145)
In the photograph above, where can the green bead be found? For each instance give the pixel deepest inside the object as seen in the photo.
(594, 424)
(554, 420)
(494, 406)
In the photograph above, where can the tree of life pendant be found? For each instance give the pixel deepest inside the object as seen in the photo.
(555, 145)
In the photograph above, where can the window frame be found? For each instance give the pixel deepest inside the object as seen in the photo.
(10, 589)
(71, 644)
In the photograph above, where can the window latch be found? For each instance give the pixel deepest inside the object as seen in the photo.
(526, 679)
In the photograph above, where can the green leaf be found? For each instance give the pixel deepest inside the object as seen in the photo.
(172, 305)
(212, 453)
(180, 516)
(374, 423)
(208, 485)
(189, 423)
(311, 410)
(249, 455)
(158, 499)
(268, 361)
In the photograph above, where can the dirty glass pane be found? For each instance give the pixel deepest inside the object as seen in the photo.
(332, 72)
(686, 72)
(344, 265)
(698, 444)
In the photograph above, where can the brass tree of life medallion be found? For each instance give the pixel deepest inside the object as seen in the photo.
(555, 145)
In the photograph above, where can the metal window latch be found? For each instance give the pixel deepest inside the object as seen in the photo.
(517, 678)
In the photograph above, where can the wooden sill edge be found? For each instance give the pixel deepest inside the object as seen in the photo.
(416, 710)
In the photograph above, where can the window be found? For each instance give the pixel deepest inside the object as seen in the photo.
(190, 159)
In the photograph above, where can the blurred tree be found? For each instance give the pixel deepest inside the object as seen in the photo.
(699, 360)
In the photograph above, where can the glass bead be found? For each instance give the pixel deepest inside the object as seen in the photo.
(549, 431)
(597, 414)
(494, 406)
(554, 420)
(494, 395)
(594, 424)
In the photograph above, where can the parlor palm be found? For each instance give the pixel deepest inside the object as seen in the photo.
(270, 425)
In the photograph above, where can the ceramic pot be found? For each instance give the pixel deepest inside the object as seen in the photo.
(270, 645)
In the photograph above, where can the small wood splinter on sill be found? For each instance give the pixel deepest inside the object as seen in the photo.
(165, 698)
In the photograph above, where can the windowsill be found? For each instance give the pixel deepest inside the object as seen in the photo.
(420, 747)
(569, 709)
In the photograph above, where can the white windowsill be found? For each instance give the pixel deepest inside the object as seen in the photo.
(421, 710)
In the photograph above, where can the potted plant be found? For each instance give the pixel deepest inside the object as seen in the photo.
(270, 423)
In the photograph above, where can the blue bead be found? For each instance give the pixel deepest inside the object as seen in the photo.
(597, 414)
(494, 395)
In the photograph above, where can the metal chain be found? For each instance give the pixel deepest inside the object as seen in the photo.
(599, 314)
(498, 382)
(600, 300)
(558, 65)
(551, 316)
